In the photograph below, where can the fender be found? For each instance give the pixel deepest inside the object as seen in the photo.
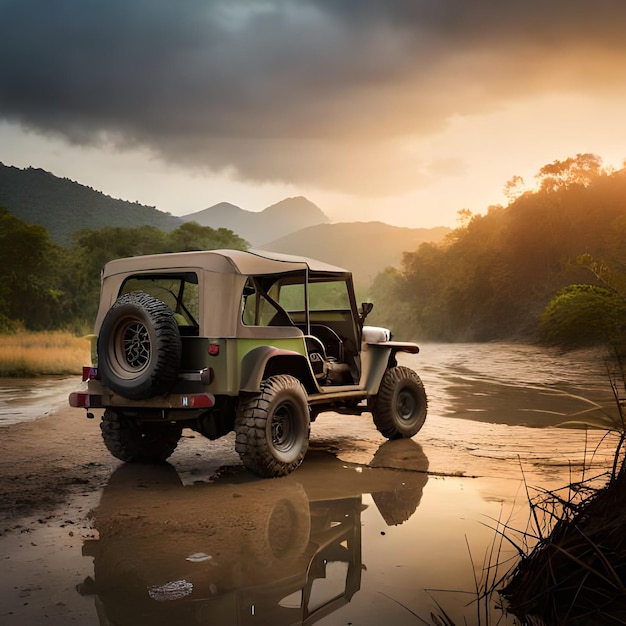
(377, 357)
(266, 361)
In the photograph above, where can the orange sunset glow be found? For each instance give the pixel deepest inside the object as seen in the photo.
(404, 112)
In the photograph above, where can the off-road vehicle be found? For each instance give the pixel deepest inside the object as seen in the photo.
(254, 342)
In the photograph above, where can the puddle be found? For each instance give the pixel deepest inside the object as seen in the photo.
(334, 546)
(26, 399)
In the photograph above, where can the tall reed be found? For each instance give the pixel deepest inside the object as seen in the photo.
(26, 354)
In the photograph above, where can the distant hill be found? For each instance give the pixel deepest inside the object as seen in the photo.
(364, 248)
(274, 222)
(292, 226)
(64, 206)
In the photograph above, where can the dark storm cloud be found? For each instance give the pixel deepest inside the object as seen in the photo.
(313, 91)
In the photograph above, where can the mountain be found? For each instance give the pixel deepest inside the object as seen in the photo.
(274, 222)
(292, 226)
(64, 206)
(364, 248)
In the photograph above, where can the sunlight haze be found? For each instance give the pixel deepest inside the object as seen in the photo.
(403, 112)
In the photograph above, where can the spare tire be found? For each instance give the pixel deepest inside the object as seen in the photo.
(139, 347)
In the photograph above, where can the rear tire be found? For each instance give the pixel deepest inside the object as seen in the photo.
(272, 428)
(138, 442)
(399, 409)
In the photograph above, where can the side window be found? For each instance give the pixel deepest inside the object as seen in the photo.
(292, 297)
(269, 300)
(257, 310)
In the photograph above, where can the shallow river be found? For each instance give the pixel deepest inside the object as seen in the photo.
(344, 540)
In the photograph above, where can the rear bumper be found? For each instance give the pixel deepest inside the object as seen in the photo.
(86, 400)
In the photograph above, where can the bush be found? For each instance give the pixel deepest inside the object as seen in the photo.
(583, 315)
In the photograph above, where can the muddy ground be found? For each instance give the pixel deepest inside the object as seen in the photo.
(46, 462)
(62, 496)
(53, 471)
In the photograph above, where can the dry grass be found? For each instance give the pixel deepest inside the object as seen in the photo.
(575, 574)
(43, 353)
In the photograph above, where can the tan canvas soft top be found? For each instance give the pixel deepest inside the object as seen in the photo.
(222, 262)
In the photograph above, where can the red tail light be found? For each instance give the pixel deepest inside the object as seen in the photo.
(198, 401)
(89, 373)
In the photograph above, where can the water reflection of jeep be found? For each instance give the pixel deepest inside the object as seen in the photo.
(225, 340)
(234, 551)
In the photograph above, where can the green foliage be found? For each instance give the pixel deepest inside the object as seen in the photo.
(29, 291)
(45, 286)
(391, 308)
(191, 236)
(581, 315)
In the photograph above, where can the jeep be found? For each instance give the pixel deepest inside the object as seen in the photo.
(255, 342)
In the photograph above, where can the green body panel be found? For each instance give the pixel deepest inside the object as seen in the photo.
(227, 366)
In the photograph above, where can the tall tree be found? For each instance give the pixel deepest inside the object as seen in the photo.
(28, 264)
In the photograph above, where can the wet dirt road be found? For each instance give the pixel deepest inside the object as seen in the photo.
(365, 532)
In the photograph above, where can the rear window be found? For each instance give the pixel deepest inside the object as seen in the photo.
(178, 291)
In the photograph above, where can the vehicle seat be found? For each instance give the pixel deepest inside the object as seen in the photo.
(317, 356)
(332, 341)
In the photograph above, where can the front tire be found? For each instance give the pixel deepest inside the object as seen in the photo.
(399, 409)
(136, 442)
(272, 428)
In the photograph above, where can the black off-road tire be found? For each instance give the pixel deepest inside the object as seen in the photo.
(139, 347)
(272, 428)
(138, 442)
(399, 409)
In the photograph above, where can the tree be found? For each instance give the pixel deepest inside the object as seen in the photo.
(514, 188)
(94, 248)
(192, 236)
(28, 271)
(579, 170)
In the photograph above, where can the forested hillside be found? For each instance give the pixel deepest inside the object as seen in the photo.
(551, 266)
(63, 206)
(494, 277)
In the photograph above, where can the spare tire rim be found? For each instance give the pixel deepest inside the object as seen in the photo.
(133, 346)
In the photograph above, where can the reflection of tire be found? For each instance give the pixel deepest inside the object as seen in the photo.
(137, 442)
(399, 409)
(282, 527)
(139, 347)
(396, 506)
(273, 427)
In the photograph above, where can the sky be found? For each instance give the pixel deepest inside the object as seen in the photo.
(403, 111)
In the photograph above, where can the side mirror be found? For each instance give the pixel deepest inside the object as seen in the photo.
(366, 309)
